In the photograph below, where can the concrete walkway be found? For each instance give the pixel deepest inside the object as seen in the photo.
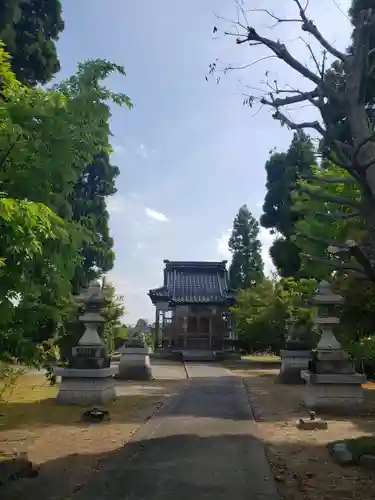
(201, 445)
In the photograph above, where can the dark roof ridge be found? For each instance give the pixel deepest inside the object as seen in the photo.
(194, 282)
(195, 263)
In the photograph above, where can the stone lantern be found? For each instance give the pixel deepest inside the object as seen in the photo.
(88, 379)
(331, 380)
(135, 356)
(296, 355)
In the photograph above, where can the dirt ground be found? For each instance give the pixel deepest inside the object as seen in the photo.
(300, 459)
(66, 450)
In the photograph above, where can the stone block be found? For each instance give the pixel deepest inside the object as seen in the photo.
(367, 462)
(93, 373)
(326, 391)
(309, 424)
(129, 349)
(331, 355)
(86, 388)
(135, 366)
(341, 454)
(292, 362)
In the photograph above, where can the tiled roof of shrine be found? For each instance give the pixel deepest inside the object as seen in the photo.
(194, 283)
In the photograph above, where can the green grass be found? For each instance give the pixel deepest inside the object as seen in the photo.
(364, 445)
(262, 357)
(32, 402)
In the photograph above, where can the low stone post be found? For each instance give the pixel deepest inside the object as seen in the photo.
(135, 361)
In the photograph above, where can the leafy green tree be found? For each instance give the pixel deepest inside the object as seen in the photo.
(283, 171)
(113, 311)
(88, 202)
(321, 227)
(30, 29)
(246, 268)
(47, 139)
(261, 313)
(122, 334)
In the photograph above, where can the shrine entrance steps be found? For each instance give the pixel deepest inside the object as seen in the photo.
(198, 355)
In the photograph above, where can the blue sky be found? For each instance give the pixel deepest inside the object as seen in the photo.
(189, 152)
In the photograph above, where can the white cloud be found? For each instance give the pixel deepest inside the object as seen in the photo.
(118, 149)
(116, 204)
(153, 214)
(222, 245)
(266, 239)
(142, 152)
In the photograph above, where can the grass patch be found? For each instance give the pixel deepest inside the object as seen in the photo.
(364, 445)
(32, 403)
(262, 357)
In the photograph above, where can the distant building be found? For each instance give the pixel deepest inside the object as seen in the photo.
(192, 306)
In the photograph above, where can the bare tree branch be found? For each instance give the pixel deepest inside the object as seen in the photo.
(336, 264)
(337, 215)
(279, 102)
(312, 56)
(336, 161)
(278, 19)
(329, 180)
(360, 145)
(316, 239)
(368, 164)
(320, 195)
(298, 126)
(280, 50)
(309, 26)
(230, 68)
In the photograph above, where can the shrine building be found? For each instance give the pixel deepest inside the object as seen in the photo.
(193, 307)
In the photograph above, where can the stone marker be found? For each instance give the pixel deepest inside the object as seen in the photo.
(311, 423)
(135, 360)
(296, 356)
(331, 380)
(88, 379)
(341, 454)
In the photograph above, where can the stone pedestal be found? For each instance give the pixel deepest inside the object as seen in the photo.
(327, 391)
(88, 379)
(86, 386)
(292, 362)
(135, 363)
(331, 381)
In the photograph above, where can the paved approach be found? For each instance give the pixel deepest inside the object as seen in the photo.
(201, 445)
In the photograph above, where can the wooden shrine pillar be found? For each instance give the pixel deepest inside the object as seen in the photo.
(156, 338)
(210, 331)
(185, 330)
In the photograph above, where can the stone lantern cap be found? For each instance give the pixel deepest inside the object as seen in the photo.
(326, 296)
(93, 294)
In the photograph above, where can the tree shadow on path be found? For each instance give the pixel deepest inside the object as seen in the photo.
(189, 466)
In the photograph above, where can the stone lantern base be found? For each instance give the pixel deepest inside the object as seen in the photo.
(292, 362)
(333, 390)
(331, 381)
(86, 386)
(135, 364)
